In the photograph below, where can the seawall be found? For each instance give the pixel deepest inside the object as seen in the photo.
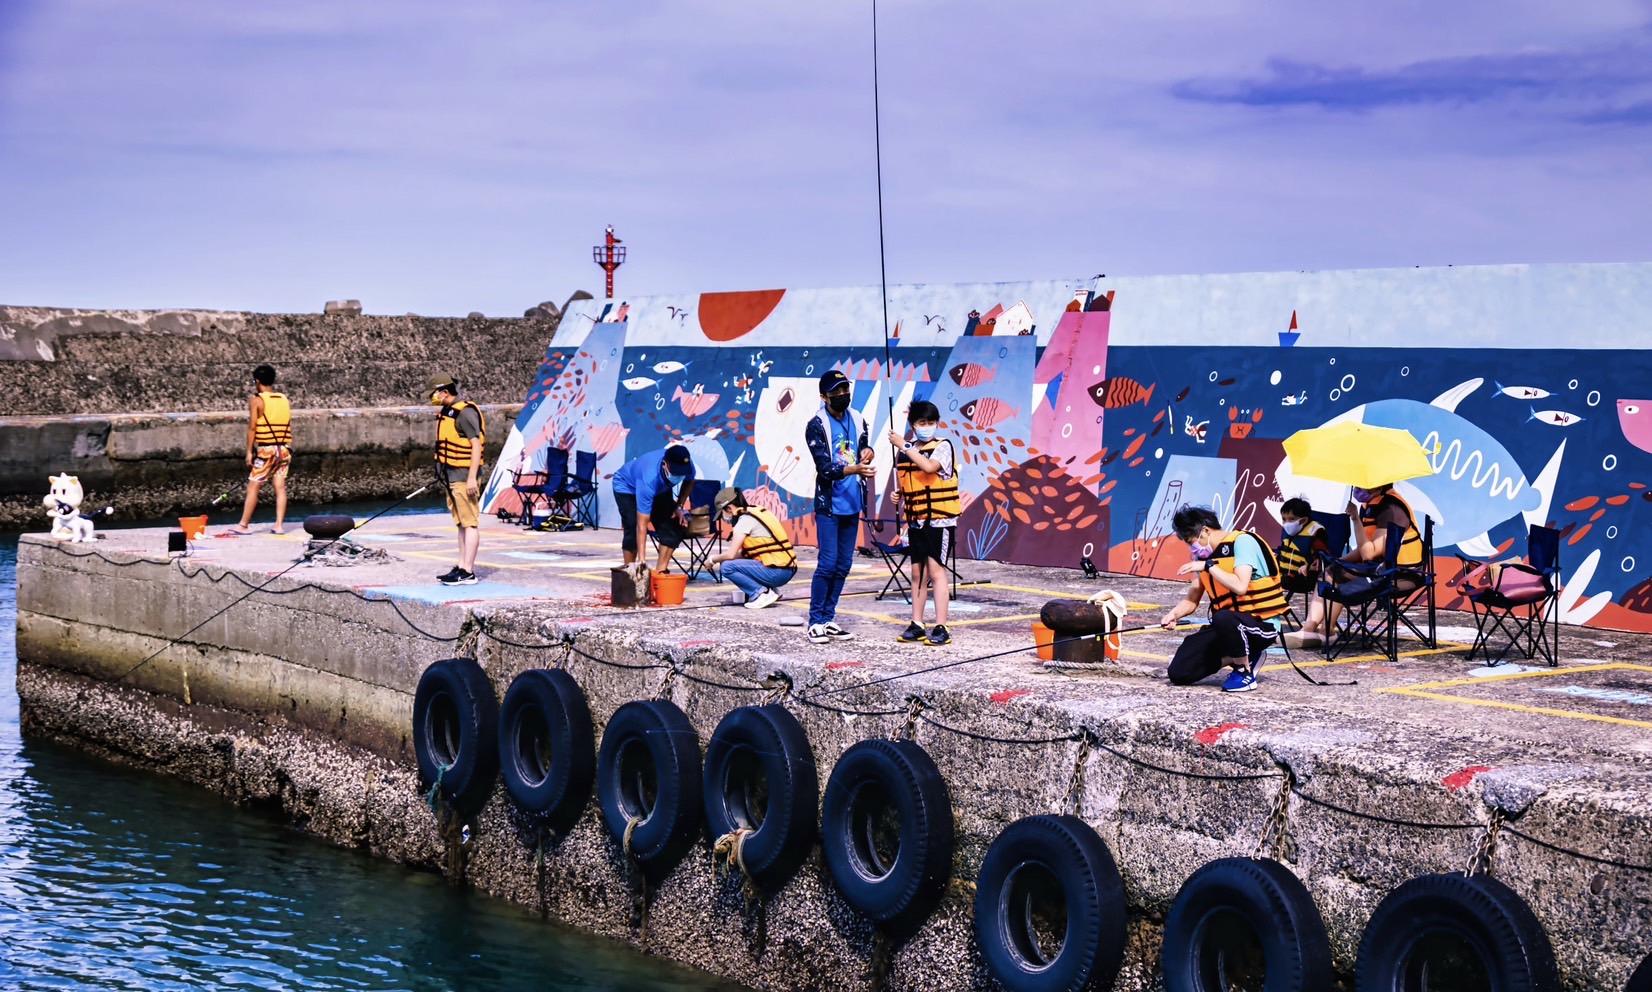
(148, 407)
(301, 697)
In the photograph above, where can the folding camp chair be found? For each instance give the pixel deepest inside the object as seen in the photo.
(535, 480)
(1526, 612)
(886, 540)
(1336, 544)
(574, 499)
(1377, 597)
(698, 549)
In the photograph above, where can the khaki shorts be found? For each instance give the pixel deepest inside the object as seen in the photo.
(466, 509)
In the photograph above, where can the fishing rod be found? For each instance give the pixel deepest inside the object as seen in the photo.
(308, 554)
(883, 267)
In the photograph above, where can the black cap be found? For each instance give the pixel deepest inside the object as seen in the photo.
(832, 380)
(676, 454)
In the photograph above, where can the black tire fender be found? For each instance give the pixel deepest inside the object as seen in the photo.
(547, 751)
(648, 773)
(760, 776)
(1476, 915)
(455, 716)
(886, 833)
(1036, 865)
(1238, 914)
(1641, 980)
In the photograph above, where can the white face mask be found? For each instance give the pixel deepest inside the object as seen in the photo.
(1292, 527)
(924, 433)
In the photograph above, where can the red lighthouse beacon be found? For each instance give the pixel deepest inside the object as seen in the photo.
(610, 255)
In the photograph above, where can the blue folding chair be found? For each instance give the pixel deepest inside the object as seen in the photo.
(534, 481)
(698, 548)
(574, 500)
(1334, 543)
(1527, 614)
(1377, 597)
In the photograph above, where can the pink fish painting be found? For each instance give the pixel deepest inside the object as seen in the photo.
(987, 411)
(696, 402)
(607, 437)
(969, 374)
(1635, 420)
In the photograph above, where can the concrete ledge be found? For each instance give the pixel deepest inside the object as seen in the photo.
(286, 665)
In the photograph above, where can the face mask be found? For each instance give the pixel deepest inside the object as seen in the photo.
(838, 404)
(1362, 496)
(677, 480)
(924, 433)
(1292, 527)
(1201, 552)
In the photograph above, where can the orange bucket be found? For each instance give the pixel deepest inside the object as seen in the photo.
(668, 587)
(194, 528)
(1044, 637)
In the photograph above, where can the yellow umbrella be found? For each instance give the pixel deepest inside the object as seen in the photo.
(1357, 454)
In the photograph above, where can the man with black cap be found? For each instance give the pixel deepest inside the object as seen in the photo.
(839, 443)
(758, 557)
(461, 433)
(654, 486)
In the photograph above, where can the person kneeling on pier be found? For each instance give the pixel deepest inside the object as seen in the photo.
(758, 557)
(1240, 575)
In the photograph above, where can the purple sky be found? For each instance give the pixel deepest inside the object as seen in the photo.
(443, 157)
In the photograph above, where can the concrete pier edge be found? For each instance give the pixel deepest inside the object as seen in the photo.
(301, 697)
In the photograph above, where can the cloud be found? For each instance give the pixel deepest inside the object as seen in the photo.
(1587, 76)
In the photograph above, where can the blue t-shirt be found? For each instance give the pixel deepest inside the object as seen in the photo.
(1248, 551)
(846, 492)
(641, 476)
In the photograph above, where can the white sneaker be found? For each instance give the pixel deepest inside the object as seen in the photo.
(763, 600)
(818, 635)
(1304, 639)
(837, 633)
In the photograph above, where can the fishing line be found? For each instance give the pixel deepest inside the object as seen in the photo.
(305, 557)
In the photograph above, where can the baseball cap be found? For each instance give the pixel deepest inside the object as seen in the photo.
(833, 380)
(438, 381)
(725, 496)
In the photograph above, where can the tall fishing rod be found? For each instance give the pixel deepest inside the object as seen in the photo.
(302, 559)
(883, 269)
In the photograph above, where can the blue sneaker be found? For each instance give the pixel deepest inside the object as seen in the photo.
(1239, 682)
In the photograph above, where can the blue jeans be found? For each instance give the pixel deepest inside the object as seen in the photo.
(752, 577)
(837, 534)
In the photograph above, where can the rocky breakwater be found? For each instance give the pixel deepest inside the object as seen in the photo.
(308, 702)
(149, 407)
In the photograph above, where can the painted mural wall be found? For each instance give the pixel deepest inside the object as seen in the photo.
(1084, 412)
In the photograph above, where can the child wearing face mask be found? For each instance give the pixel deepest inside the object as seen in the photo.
(1239, 574)
(1298, 552)
(1369, 514)
(928, 493)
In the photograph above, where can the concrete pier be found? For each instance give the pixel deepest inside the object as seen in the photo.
(300, 695)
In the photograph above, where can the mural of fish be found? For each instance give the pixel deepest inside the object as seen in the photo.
(639, 382)
(667, 368)
(1521, 392)
(607, 437)
(1559, 418)
(694, 403)
(1635, 420)
(969, 375)
(986, 411)
(1110, 394)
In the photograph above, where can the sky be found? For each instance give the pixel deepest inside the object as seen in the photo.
(440, 157)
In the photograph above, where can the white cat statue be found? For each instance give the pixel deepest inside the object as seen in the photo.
(63, 506)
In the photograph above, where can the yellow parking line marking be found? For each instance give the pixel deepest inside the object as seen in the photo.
(1419, 653)
(1484, 679)
(1518, 708)
(1420, 692)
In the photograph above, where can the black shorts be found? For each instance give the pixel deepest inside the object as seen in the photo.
(930, 543)
(667, 531)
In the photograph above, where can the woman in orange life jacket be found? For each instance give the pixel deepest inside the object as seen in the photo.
(1369, 514)
(1240, 575)
(758, 557)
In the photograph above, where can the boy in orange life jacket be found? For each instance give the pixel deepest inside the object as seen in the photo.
(1241, 577)
(1381, 506)
(269, 447)
(928, 492)
(1299, 550)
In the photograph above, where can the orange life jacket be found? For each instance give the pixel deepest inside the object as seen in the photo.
(275, 424)
(925, 495)
(1411, 545)
(453, 448)
(773, 549)
(1264, 599)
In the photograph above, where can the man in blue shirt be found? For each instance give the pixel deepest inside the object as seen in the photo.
(839, 443)
(654, 486)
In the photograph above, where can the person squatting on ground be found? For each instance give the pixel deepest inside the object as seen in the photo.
(1239, 574)
(928, 493)
(838, 441)
(461, 433)
(1369, 514)
(758, 557)
(659, 481)
(269, 447)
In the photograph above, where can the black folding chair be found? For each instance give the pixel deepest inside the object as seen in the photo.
(1335, 540)
(573, 500)
(699, 549)
(535, 480)
(1377, 597)
(1530, 618)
